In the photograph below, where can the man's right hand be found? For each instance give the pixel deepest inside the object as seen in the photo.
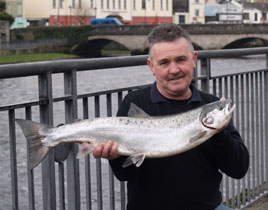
(106, 150)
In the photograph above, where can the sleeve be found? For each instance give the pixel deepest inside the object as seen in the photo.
(231, 154)
(131, 172)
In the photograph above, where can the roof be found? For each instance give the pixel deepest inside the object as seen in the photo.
(211, 10)
(260, 6)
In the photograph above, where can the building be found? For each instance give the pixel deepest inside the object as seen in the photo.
(15, 8)
(243, 12)
(211, 15)
(230, 12)
(255, 13)
(189, 11)
(39, 16)
(79, 12)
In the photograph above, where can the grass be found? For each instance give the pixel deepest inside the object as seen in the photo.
(34, 57)
(115, 52)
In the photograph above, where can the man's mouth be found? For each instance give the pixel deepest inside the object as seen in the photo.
(175, 78)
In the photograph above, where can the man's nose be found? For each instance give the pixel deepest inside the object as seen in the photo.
(174, 68)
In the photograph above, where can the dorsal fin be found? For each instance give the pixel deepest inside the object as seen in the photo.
(135, 111)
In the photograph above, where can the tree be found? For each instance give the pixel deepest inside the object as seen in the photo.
(82, 13)
(2, 7)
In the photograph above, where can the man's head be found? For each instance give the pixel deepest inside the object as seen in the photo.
(172, 60)
(167, 33)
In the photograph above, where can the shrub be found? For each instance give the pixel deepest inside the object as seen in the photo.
(7, 17)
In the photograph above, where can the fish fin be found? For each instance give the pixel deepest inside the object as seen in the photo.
(31, 130)
(198, 136)
(135, 111)
(84, 151)
(136, 159)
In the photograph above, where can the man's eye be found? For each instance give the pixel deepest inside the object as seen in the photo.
(163, 63)
(181, 59)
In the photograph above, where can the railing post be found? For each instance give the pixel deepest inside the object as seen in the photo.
(48, 167)
(73, 186)
(13, 160)
(266, 119)
(205, 74)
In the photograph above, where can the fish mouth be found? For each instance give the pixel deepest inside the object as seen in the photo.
(230, 108)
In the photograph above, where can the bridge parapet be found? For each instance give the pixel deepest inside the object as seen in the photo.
(191, 28)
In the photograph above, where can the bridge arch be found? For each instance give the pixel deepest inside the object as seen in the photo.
(93, 48)
(247, 42)
(216, 41)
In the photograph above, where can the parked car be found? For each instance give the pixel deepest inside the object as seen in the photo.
(105, 21)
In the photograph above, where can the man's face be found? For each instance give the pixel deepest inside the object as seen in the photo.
(173, 65)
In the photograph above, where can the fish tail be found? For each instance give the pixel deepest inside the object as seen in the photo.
(31, 130)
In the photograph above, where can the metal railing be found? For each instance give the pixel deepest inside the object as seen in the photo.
(89, 183)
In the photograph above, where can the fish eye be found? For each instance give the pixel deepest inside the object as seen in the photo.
(208, 120)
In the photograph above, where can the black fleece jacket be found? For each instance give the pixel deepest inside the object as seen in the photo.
(187, 181)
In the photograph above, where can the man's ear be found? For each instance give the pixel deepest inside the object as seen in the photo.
(150, 64)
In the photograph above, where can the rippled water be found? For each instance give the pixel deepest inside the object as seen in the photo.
(19, 90)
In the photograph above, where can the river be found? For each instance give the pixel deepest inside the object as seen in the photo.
(19, 90)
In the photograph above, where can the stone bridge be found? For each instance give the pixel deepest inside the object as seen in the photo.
(204, 37)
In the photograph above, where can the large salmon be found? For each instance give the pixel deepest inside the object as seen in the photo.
(138, 136)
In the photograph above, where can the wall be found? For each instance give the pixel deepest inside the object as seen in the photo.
(4, 31)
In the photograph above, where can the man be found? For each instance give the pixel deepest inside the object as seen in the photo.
(190, 180)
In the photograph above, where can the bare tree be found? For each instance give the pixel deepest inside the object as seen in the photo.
(82, 12)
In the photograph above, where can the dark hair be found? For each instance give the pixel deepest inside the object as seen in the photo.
(167, 32)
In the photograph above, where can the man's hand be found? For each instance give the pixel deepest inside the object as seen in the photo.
(106, 150)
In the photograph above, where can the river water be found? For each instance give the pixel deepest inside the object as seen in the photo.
(19, 90)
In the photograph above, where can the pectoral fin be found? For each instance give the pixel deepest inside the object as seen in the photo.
(136, 159)
(198, 136)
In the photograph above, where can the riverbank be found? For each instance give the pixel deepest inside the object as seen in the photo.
(34, 57)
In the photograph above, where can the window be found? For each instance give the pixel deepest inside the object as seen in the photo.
(125, 4)
(143, 5)
(113, 4)
(101, 4)
(108, 4)
(61, 3)
(54, 4)
(196, 13)
(161, 5)
(256, 17)
(119, 4)
(167, 4)
(246, 16)
(73, 3)
(153, 4)
(134, 4)
(196, 1)
(181, 19)
(91, 4)
(19, 9)
(79, 4)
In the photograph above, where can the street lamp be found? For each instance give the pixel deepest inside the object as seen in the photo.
(95, 8)
(70, 7)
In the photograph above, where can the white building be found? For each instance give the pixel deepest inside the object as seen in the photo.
(230, 12)
(77, 12)
(244, 12)
(255, 13)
